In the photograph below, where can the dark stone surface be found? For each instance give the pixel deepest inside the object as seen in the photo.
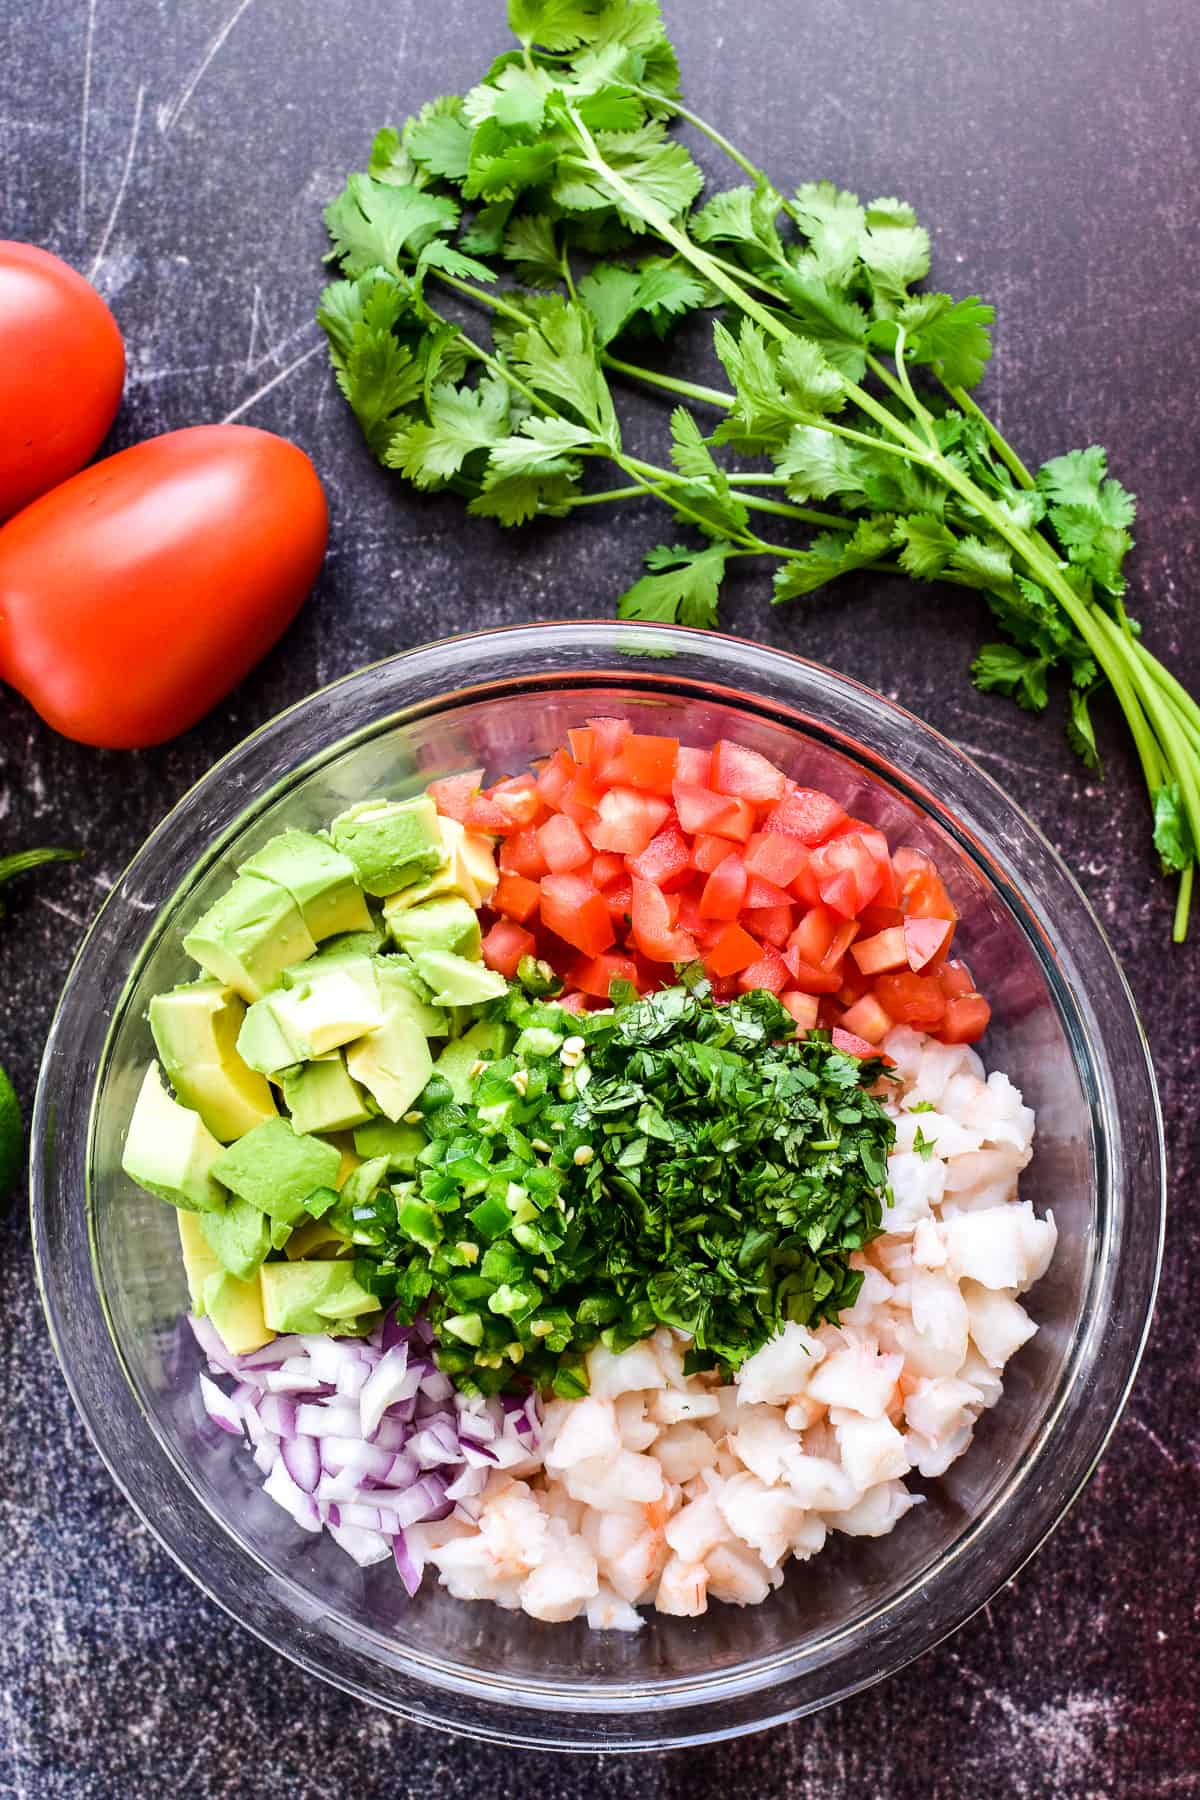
(182, 151)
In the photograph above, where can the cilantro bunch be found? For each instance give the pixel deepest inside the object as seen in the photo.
(672, 1161)
(552, 199)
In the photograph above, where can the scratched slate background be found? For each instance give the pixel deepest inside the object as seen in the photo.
(180, 152)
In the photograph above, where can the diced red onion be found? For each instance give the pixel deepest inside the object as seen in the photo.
(284, 1491)
(390, 1380)
(223, 1409)
(302, 1459)
(365, 1547)
(278, 1414)
(407, 1566)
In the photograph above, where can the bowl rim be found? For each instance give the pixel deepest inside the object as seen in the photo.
(684, 1691)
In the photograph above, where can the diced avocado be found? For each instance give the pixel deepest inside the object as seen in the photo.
(400, 1143)
(236, 1309)
(484, 1041)
(400, 970)
(457, 982)
(250, 935)
(392, 843)
(350, 1160)
(307, 1296)
(445, 924)
(321, 1096)
(394, 1062)
(195, 1029)
(478, 858)
(319, 1239)
(468, 868)
(170, 1151)
(322, 882)
(239, 1236)
(200, 1260)
(359, 1189)
(311, 1016)
(276, 1169)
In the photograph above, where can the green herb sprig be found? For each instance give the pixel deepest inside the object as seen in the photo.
(673, 1161)
(552, 198)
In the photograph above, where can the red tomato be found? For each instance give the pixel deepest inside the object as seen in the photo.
(851, 1045)
(774, 856)
(607, 736)
(516, 897)
(139, 592)
(737, 770)
(847, 873)
(653, 930)
(922, 891)
(770, 972)
(966, 1019)
(563, 844)
(910, 999)
(483, 814)
(954, 978)
(867, 1019)
(595, 975)
(555, 777)
(725, 889)
(581, 797)
(803, 1008)
(733, 951)
(765, 893)
(701, 811)
(665, 861)
(627, 821)
(694, 767)
(576, 913)
(521, 854)
(770, 924)
(709, 852)
(62, 368)
(607, 868)
(582, 740)
(814, 934)
(925, 940)
(518, 799)
(454, 793)
(807, 814)
(647, 763)
(504, 946)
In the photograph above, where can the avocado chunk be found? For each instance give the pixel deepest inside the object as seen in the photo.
(392, 843)
(482, 1042)
(195, 1029)
(457, 982)
(445, 924)
(400, 1143)
(276, 1169)
(394, 1062)
(311, 1016)
(250, 935)
(311, 1296)
(236, 1309)
(468, 868)
(319, 1238)
(170, 1151)
(239, 1237)
(322, 882)
(322, 1097)
(200, 1260)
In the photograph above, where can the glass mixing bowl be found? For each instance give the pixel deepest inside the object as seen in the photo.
(1063, 1025)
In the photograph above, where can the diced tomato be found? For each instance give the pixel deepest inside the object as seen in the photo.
(516, 897)
(688, 916)
(572, 1003)
(652, 924)
(888, 892)
(921, 889)
(563, 844)
(607, 737)
(724, 987)
(482, 814)
(577, 913)
(806, 887)
(582, 740)
(910, 999)
(626, 820)
(765, 893)
(555, 777)
(453, 794)
(581, 798)
(966, 1019)
(518, 798)
(954, 979)
(504, 946)
(700, 810)
(595, 975)
(646, 763)
(854, 983)
(745, 773)
(925, 940)
(851, 1045)
(810, 978)
(708, 852)
(619, 898)
(839, 943)
(878, 918)
(666, 860)
(814, 934)
(733, 951)
(725, 889)
(774, 856)
(770, 924)
(770, 972)
(848, 873)
(807, 814)
(521, 854)
(867, 1019)
(803, 1008)
(607, 867)
(694, 766)
(886, 950)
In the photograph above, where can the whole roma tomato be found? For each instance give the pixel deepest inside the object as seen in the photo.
(62, 368)
(134, 596)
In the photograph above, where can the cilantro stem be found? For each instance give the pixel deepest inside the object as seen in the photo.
(702, 125)
(689, 390)
(999, 443)
(1189, 712)
(1183, 904)
(807, 515)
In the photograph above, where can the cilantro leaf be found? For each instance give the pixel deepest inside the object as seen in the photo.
(377, 372)
(439, 138)
(1081, 734)
(894, 251)
(1172, 835)
(1007, 669)
(684, 590)
(541, 447)
(529, 242)
(503, 161)
(515, 499)
(372, 224)
(820, 465)
(462, 420)
(830, 555)
(745, 216)
(556, 354)
(835, 224)
(553, 24)
(657, 291)
(927, 545)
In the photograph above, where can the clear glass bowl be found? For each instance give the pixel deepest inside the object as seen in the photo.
(1063, 1025)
